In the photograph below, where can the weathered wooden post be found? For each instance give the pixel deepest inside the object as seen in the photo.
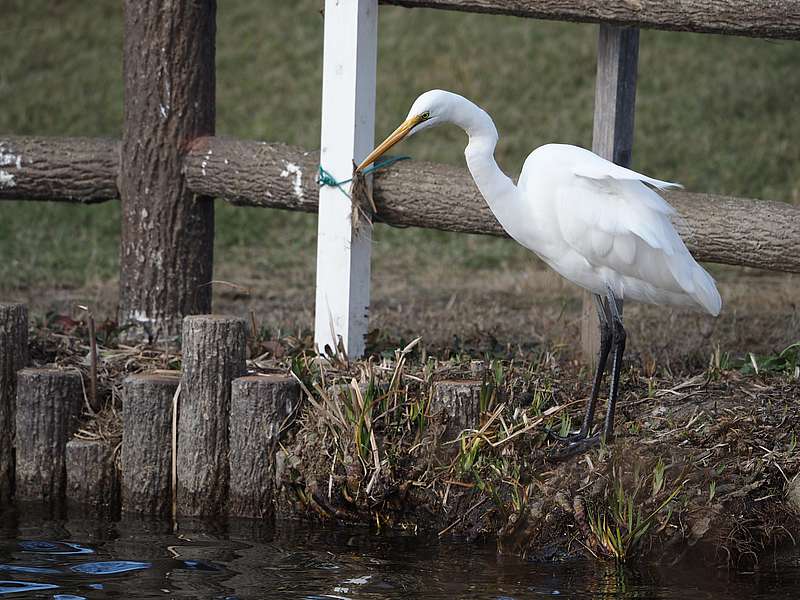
(213, 356)
(147, 443)
(167, 232)
(49, 403)
(92, 478)
(259, 405)
(13, 357)
(348, 132)
(614, 107)
(459, 402)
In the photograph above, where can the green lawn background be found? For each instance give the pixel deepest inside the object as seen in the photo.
(716, 113)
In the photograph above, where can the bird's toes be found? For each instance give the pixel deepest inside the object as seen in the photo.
(571, 437)
(575, 447)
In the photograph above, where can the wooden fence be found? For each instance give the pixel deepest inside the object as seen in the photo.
(168, 165)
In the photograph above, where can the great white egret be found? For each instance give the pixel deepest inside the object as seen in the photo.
(599, 225)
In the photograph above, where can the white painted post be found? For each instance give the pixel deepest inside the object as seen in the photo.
(348, 129)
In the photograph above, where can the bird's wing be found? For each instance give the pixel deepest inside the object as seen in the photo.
(594, 167)
(610, 217)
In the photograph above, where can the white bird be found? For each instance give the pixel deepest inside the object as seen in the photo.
(599, 225)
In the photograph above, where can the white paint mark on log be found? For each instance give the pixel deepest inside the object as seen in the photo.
(139, 316)
(293, 169)
(204, 164)
(9, 159)
(163, 110)
(7, 179)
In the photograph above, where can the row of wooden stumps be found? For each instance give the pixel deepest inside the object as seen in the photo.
(197, 443)
(224, 424)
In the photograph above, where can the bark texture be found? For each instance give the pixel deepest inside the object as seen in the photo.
(213, 356)
(92, 478)
(756, 18)
(147, 443)
(459, 403)
(82, 170)
(259, 406)
(13, 357)
(49, 403)
(167, 231)
(737, 231)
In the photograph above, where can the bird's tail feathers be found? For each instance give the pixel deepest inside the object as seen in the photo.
(661, 185)
(705, 291)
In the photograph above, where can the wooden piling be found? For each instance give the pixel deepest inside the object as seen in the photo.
(13, 357)
(612, 138)
(259, 406)
(167, 236)
(146, 443)
(213, 356)
(459, 404)
(49, 403)
(92, 478)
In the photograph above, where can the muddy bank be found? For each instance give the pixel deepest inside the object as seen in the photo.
(703, 467)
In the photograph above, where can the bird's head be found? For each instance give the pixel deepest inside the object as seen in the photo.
(430, 109)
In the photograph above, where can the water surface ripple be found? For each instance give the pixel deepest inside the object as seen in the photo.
(145, 559)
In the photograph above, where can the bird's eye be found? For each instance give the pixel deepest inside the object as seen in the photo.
(425, 116)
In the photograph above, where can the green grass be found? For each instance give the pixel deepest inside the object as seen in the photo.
(718, 114)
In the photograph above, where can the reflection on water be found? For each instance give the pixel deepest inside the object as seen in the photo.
(145, 559)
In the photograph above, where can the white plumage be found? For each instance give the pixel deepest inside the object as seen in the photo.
(599, 225)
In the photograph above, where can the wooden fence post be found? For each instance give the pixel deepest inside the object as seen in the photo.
(167, 232)
(459, 403)
(614, 106)
(13, 356)
(92, 478)
(49, 404)
(348, 130)
(147, 443)
(213, 356)
(259, 405)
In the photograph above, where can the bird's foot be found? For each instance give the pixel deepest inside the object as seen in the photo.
(576, 446)
(570, 438)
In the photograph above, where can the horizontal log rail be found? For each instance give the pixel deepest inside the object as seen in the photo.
(754, 233)
(80, 170)
(754, 18)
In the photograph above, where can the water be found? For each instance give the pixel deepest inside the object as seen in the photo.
(140, 559)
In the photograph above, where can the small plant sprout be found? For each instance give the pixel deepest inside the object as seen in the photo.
(658, 477)
(620, 527)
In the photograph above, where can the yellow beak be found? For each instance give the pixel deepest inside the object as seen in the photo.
(397, 136)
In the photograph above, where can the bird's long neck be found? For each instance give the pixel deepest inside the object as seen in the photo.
(497, 189)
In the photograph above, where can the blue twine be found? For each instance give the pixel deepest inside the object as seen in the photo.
(325, 178)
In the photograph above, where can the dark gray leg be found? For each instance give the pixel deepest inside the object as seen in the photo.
(581, 440)
(619, 337)
(604, 315)
(612, 336)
